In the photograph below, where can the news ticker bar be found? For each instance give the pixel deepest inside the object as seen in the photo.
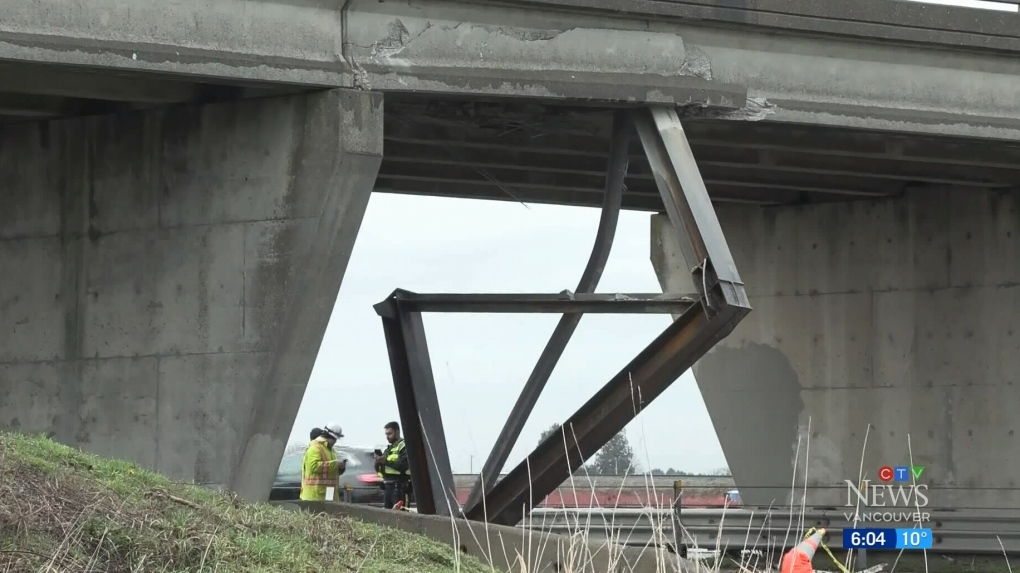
(914, 538)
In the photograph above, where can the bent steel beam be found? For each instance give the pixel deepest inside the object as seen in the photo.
(566, 303)
(619, 161)
(703, 320)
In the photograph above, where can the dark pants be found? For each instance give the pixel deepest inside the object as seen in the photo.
(393, 491)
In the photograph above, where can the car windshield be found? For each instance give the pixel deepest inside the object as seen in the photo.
(357, 457)
(290, 465)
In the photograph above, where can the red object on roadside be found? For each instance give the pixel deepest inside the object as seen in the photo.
(399, 505)
(798, 559)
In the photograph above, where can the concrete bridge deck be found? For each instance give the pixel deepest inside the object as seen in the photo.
(924, 68)
(171, 172)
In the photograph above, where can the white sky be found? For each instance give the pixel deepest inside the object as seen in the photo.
(481, 362)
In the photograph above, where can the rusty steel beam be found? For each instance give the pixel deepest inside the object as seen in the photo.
(683, 192)
(526, 303)
(418, 406)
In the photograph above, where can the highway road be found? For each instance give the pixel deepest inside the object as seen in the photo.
(630, 491)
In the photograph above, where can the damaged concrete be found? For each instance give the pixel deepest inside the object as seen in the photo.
(755, 109)
(455, 49)
(697, 64)
(467, 45)
(849, 82)
(562, 52)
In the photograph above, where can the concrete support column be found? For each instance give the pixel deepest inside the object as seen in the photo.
(903, 314)
(170, 274)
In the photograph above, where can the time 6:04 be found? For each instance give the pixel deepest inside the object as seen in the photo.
(867, 538)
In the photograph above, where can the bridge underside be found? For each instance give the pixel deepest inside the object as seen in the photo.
(546, 151)
(558, 154)
(161, 231)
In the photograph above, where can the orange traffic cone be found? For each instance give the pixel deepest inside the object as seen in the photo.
(798, 559)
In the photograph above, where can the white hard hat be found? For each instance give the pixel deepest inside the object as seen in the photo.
(334, 430)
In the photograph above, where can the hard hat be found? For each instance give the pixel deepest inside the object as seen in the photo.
(334, 429)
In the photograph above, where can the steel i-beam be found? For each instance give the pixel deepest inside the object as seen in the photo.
(704, 319)
(418, 406)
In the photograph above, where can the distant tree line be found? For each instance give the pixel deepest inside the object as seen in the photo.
(617, 458)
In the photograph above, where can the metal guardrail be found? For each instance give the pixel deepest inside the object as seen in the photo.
(954, 531)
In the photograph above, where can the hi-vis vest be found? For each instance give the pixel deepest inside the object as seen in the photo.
(318, 471)
(389, 469)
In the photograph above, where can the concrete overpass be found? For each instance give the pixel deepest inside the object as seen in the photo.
(183, 184)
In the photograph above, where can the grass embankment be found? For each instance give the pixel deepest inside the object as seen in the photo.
(64, 510)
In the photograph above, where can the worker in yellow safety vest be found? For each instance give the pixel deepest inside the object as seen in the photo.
(393, 467)
(321, 468)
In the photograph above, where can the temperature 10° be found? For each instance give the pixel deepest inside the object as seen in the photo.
(917, 538)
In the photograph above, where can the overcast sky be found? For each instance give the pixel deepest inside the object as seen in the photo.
(481, 362)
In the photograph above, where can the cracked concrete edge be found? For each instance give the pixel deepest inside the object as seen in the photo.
(355, 44)
(580, 86)
(500, 545)
(454, 48)
(411, 42)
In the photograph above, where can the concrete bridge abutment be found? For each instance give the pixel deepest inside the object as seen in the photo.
(902, 313)
(169, 274)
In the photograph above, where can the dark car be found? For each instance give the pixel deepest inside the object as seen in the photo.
(360, 477)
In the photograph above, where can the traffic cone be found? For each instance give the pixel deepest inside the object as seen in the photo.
(399, 505)
(798, 559)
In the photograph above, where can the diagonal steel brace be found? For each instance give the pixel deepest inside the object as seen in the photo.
(619, 159)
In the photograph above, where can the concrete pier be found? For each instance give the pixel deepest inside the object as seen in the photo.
(168, 275)
(902, 313)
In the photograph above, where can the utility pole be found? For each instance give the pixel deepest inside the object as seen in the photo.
(472, 470)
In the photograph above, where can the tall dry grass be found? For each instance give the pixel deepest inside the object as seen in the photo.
(591, 539)
(752, 557)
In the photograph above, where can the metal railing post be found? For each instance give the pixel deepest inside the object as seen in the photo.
(678, 541)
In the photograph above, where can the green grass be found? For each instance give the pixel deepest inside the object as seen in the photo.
(64, 510)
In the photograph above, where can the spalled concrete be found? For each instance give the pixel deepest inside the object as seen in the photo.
(903, 314)
(170, 275)
(821, 79)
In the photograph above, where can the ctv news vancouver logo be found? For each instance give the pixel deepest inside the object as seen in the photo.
(897, 496)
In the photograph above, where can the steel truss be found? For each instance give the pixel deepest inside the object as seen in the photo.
(702, 320)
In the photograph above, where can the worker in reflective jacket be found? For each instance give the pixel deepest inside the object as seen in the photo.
(321, 468)
(394, 469)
